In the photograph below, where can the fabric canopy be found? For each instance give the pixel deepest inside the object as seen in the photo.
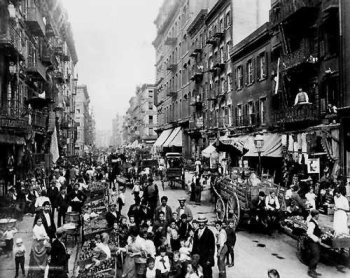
(171, 137)
(272, 145)
(208, 151)
(175, 138)
(162, 138)
(11, 139)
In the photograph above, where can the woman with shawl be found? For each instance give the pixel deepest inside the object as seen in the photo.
(39, 252)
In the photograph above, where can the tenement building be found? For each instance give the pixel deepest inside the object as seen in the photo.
(37, 59)
(194, 76)
(141, 118)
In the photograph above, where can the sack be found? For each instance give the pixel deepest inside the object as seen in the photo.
(69, 209)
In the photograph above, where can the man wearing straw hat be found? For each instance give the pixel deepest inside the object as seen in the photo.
(204, 246)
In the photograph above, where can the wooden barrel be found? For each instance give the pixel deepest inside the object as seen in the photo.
(73, 217)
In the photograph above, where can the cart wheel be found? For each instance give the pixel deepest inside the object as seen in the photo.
(220, 209)
(302, 250)
(233, 211)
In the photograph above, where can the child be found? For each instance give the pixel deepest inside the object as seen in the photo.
(196, 266)
(149, 225)
(192, 271)
(184, 251)
(176, 266)
(173, 236)
(231, 241)
(19, 252)
(151, 271)
(162, 263)
(132, 222)
(8, 236)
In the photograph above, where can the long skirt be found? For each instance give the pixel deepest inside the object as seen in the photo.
(129, 267)
(37, 261)
(340, 222)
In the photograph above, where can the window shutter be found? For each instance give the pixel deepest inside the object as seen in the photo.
(253, 69)
(256, 111)
(236, 116)
(258, 61)
(236, 78)
(266, 65)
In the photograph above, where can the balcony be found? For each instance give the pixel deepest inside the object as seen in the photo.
(11, 44)
(58, 75)
(35, 22)
(171, 92)
(211, 41)
(39, 119)
(197, 76)
(11, 118)
(47, 56)
(299, 114)
(292, 11)
(36, 70)
(197, 49)
(171, 41)
(302, 56)
(219, 34)
(197, 102)
(172, 67)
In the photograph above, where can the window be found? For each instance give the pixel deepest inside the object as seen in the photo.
(261, 67)
(239, 77)
(230, 115)
(239, 115)
(262, 112)
(150, 131)
(150, 105)
(229, 82)
(250, 72)
(150, 93)
(228, 48)
(150, 120)
(251, 113)
(228, 19)
(78, 111)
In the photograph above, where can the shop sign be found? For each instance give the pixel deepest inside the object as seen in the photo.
(13, 123)
(313, 166)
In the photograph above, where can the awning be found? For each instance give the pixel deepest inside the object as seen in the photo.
(11, 139)
(208, 151)
(233, 145)
(175, 138)
(272, 145)
(162, 137)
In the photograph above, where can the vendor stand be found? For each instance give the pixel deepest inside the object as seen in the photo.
(333, 249)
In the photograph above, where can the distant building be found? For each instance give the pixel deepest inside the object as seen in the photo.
(141, 117)
(83, 121)
(103, 138)
(116, 138)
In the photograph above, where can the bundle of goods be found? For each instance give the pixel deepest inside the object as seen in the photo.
(97, 190)
(96, 206)
(106, 269)
(341, 241)
(95, 226)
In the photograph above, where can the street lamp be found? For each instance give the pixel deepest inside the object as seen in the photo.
(259, 143)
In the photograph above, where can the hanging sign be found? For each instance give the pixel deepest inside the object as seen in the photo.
(313, 166)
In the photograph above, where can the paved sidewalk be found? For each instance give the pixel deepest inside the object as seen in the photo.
(24, 227)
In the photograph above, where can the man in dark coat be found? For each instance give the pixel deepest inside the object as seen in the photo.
(76, 199)
(204, 246)
(164, 208)
(53, 193)
(112, 216)
(48, 221)
(58, 266)
(62, 206)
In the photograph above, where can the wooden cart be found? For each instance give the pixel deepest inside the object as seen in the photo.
(234, 198)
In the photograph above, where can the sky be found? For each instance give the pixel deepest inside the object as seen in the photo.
(113, 40)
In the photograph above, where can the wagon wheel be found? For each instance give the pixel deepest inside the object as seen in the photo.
(220, 209)
(302, 250)
(233, 209)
